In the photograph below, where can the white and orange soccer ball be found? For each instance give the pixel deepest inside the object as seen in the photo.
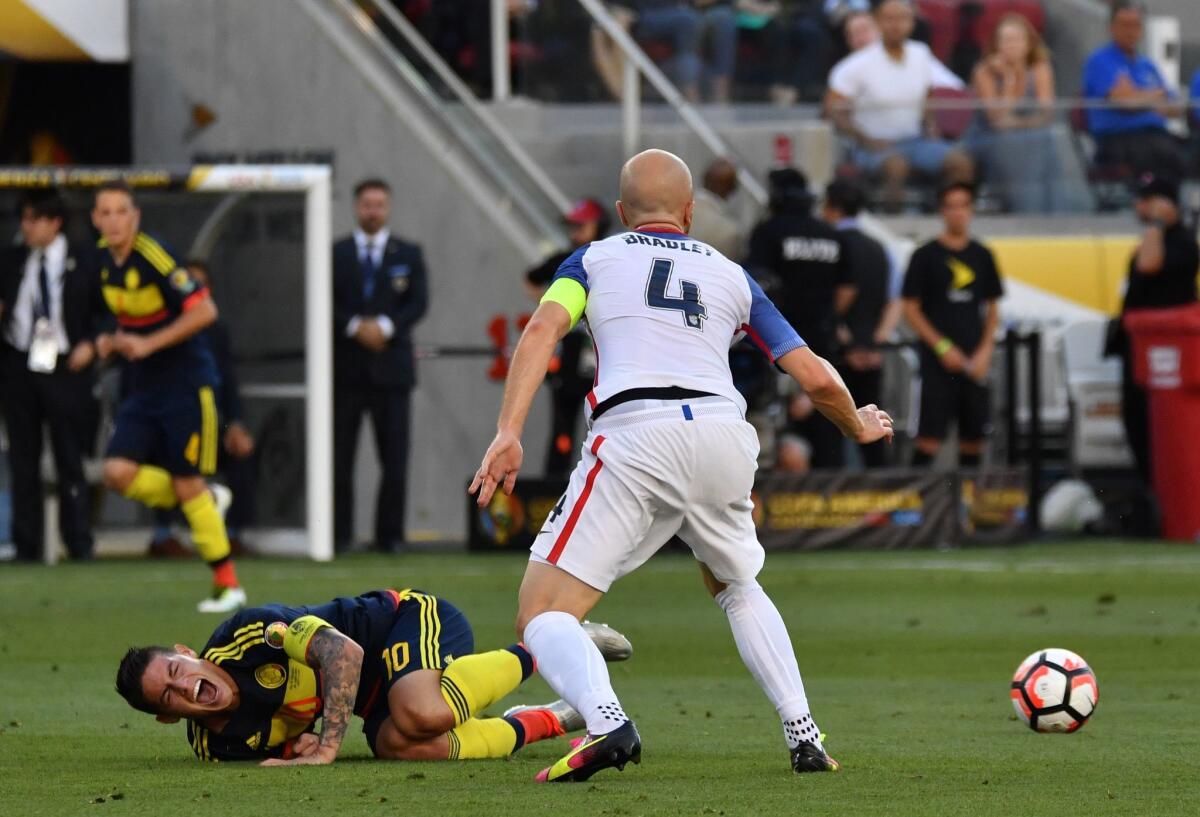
(1054, 690)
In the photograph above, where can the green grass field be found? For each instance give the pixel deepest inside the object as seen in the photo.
(906, 656)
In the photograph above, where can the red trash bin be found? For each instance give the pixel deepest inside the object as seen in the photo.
(1166, 362)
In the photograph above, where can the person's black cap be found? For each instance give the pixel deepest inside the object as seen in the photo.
(1149, 186)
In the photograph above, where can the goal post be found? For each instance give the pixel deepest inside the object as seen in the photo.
(226, 188)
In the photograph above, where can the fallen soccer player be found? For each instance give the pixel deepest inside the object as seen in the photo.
(402, 660)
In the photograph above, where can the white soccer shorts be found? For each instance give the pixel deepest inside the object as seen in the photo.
(652, 469)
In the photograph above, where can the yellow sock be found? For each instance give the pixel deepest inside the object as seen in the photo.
(482, 738)
(152, 486)
(472, 683)
(208, 528)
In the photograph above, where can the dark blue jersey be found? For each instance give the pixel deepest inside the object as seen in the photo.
(146, 293)
(265, 651)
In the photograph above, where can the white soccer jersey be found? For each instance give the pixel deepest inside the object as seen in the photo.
(663, 310)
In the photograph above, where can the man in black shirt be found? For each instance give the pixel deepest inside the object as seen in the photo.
(799, 262)
(1162, 273)
(950, 294)
(869, 311)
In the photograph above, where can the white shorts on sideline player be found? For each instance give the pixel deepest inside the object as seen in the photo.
(649, 472)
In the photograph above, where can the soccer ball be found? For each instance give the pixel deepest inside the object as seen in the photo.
(1054, 691)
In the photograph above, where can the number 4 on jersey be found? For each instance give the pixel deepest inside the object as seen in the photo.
(693, 311)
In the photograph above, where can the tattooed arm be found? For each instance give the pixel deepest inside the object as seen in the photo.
(339, 660)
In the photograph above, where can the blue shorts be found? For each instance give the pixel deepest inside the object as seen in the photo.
(429, 633)
(176, 427)
(923, 155)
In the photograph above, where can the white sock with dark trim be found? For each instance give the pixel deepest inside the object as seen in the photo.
(574, 668)
(763, 642)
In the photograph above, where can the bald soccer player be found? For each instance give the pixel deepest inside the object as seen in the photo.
(669, 453)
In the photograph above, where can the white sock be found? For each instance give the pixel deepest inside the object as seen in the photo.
(763, 641)
(574, 668)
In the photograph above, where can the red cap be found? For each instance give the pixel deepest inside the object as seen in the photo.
(585, 211)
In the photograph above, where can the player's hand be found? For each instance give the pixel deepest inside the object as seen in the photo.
(499, 468)
(81, 356)
(877, 425)
(954, 360)
(238, 441)
(979, 365)
(132, 347)
(104, 346)
(305, 744)
(318, 757)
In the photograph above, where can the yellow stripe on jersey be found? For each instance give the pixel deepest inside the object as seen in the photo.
(250, 631)
(200, 742)
(154, 253)
(431, 631)
(237, 648)
(208, 431)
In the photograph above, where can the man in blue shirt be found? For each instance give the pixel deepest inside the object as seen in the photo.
(1131, 128)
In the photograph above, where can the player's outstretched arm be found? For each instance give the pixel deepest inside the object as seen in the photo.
(339, 660)
(831, 397)
(530, 360)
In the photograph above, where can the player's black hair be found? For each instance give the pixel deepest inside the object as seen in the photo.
(788, 189)
(129, 676)
(118, 186)
(372, 183)
(1117, 6)
(947, 189)
(845, 196)
(44, 204)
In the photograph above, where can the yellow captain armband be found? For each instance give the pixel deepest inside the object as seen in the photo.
(570, 295)
(299, 635)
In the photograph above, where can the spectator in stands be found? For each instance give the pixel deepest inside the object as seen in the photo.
(48, 321)
(1131, 128)
(798, 259)
(870, 309)
(719, 33)
(713, 221)
(860, 31)
(793, 455)
(797, 46)
(1015, 83)
(234, 460)
(1162, 273)
(379, 294)
(685, 26)
(573, 367)
(950, 299)
(877, 99)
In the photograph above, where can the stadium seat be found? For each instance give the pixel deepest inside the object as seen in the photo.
(1110, 183)
(952, 120)
(942, 16)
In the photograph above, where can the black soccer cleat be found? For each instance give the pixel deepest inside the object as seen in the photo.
(809, 757)
(592, 754)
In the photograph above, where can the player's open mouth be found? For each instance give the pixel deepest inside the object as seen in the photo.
(205, 693)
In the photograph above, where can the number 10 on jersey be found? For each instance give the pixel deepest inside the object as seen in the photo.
(693, 311)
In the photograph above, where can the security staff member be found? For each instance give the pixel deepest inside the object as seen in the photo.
(950, 299)
(379, 294)
(799, 261)
(1162, 273)
(869, 311)
(573, 367)
(50, 317)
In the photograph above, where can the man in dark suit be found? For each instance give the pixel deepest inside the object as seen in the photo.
(379, 294)
(50, 317)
